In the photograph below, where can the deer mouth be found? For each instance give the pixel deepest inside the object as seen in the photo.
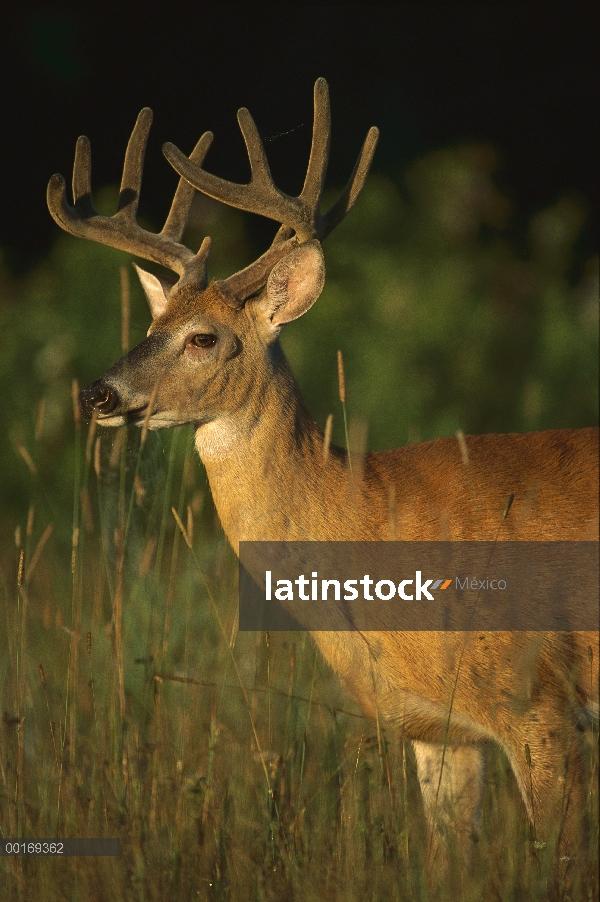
(132, 416)
(125, 418)
(156, 420)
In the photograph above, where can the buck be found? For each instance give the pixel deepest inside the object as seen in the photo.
(212, 359)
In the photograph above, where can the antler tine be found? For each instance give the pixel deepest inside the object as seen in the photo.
(122, 230)
(261, 177)
(349, 195)
(177, 219)
(319, 151)
(131, 180)
(82, 176)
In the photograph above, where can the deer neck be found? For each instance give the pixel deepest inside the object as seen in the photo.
(266, 469)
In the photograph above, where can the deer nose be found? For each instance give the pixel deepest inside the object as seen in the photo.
(99, 396)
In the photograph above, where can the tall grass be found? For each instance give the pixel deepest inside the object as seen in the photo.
(230, 765)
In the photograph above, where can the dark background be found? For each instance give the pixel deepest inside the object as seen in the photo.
(520, 77)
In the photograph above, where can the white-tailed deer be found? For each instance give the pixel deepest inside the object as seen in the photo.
(212, 359)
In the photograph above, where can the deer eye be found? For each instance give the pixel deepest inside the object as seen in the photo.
(203, 340)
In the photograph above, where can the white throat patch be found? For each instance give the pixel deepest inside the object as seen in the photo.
(217, 439)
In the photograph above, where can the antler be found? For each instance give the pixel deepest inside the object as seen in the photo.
(300, 215)
(122, 230)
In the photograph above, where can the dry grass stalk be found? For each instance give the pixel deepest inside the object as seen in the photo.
(341, 377)
(149, 412)
(97, 457)
(35, 557)
(27, 458)
(91, 436)
(115, 453)
(21, 569)
(125, 307)
(75, 400)
(462, 444)
(327, 438)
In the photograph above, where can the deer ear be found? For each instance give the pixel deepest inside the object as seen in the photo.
(294, 284)
(156, 289)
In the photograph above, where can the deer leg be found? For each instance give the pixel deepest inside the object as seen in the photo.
(549, 768)
(451, 779)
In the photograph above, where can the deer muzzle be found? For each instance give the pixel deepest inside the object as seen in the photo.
(99, 397)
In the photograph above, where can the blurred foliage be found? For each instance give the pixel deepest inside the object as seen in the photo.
(448, 313)
(448, 318)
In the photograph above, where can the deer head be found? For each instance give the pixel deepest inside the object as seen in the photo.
(212, 349)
